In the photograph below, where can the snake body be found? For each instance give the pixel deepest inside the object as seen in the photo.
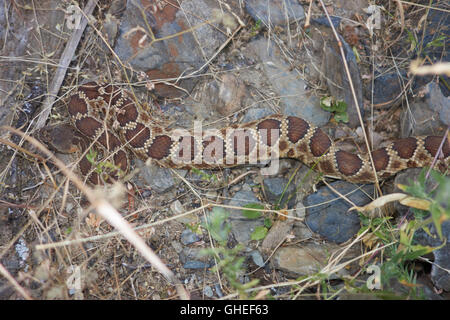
(107, 114)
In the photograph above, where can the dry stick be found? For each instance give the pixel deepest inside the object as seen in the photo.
(60, 73)
(352, 88)
(15, 284)
(107, 211)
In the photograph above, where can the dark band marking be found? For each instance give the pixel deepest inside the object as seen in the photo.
(160, 147)
(320, 143)
(348, 163)
(297, 129)
(380, 159)
(137, 136)
(405, 147)
(269, 131)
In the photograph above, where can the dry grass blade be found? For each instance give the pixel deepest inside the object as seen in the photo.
(15, 284)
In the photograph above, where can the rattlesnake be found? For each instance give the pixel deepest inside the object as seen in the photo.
(106, 112)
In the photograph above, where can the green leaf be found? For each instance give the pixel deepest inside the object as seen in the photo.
(217, 225)
(259, 233)
(267, 223)
(341, 117)
(252, 214)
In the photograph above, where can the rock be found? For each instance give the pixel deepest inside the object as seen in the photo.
(438, 102)
(274, 189)
(435, 26)
(159, 179)
(241, 227)
(328, 215)
(256, 113)
(194, 264)
(325, 53)
(387, 90)
(308, 259)
(207, 291)
(177, 246)
(173, 56)
(177, 207)
(427, 116)
(188, 237)
(229, 95)
(257, 258)
(301, 231)
(275, 12)
(193, 259)
(295, 100)
(218, 290)
(277, 233)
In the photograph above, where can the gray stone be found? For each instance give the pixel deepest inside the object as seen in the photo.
(188, 237)
(241, 227)
(387, 89)
(275, 12)
(275, 191)
(207, 291)
(172, 56)
(291, 89)
(194, 264)
(439, 274)
(257, 258)
(256, 113)
(327, 214)
(159, 179)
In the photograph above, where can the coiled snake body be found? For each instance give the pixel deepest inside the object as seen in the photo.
(100, 111)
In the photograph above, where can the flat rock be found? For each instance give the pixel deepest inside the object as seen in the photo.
(327, 214)
(291, 89)
(169, 58)
(307, 259)
(275, 12)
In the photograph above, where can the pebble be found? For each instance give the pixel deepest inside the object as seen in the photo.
(159, 179)
(257, 258)
(189, 237)
(207, 291)
(307, 259)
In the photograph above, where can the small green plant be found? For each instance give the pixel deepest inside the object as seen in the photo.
(260, 232)
(400, 255)
(229, 261)
(203, 175)
(103, 168)
(338, 107)
(256, 28)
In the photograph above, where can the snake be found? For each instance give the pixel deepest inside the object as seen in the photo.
(108, 114)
